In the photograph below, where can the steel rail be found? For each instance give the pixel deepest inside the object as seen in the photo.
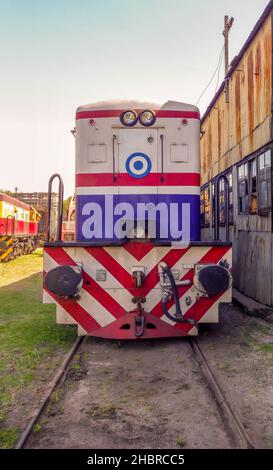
(55, 381)
(230, 418)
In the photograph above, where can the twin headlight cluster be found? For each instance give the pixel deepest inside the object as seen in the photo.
(146, 118)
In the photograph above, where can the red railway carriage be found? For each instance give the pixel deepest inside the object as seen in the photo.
(19, 228)
(137, 267)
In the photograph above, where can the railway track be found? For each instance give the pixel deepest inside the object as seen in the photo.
(230, 420)
(55, 382)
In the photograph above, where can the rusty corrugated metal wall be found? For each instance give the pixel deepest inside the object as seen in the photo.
(236, 129)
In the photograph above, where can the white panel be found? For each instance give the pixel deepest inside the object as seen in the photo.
(81, 331)
(95, 309)
(96, 153)
(179, 153)
(47, 299)
(63, 317)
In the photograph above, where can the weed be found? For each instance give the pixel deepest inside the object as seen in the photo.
(107, 410)
(225, 367)
(37, 428)
(180, 441)
(56, 396)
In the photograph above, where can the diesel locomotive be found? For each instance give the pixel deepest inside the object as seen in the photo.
(136, 268)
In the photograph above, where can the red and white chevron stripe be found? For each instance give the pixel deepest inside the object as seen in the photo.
(104, 306)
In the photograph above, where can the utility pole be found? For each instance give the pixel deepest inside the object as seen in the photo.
(228, 22)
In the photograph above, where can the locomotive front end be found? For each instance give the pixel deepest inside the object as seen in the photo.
(137, 268)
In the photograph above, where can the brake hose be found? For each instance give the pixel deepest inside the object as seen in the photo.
(178, 317)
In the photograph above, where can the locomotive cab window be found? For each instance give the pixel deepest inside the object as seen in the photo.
(96, 153)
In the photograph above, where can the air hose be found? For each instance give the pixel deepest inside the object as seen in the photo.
(178, 317)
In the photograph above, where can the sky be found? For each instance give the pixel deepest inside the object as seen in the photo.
(58, 54)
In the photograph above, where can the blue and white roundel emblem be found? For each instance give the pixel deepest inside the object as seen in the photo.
(138, 165)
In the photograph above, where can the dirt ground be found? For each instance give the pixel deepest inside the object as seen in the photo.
(240, 351)
(151, 394)
(140, 395)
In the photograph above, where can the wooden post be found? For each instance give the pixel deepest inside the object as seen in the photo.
(228, 22)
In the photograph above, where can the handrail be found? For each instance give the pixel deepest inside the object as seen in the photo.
(60, 207)
(114, 158)
(162, 158)
(216, 225)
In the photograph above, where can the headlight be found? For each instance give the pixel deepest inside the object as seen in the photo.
(128, 118)
(139, 231)
(147, 117)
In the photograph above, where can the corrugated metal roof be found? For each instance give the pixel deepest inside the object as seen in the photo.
(237, 59)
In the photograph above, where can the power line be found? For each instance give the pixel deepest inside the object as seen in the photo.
(211, 80)
(219, 70)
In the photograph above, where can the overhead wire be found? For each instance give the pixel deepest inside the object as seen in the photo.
(217, 70)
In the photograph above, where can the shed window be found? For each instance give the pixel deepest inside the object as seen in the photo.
(213, 203)
(264, 182)
(243, 188)
(205, 207)
(253, 187)
(222, 202)
(230, 192)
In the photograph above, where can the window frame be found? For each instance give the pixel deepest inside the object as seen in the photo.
(205, 204)
(247, 163)
(264, 210)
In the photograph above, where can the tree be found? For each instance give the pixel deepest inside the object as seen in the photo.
(5, 191)
(66, 204)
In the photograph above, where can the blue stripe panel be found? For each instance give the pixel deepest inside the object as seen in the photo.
(96, 220)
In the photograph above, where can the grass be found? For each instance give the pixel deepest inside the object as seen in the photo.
(266, 348)
(107, 410)
(8, 438)
(20, 268)
(28, 334)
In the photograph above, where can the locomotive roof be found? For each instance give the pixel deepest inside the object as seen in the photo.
(12, 200)
(133, 104)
